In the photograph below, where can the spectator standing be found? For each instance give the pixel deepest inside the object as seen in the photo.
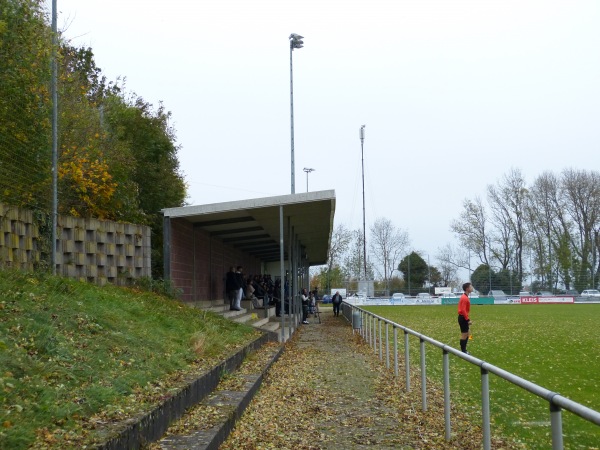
(336, 300)
(304, 298)
(464, 321)
(231, 287)
(240, 293)
(311, 302)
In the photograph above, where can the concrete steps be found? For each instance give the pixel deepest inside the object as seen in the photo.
(263, 319)
(226, 403)
(136, 432)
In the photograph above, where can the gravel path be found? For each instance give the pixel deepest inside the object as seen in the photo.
(330, 391)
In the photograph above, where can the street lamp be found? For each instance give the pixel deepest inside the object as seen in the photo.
(307, 170)
(295, 42)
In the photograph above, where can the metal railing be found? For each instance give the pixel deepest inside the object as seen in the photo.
(370, 327)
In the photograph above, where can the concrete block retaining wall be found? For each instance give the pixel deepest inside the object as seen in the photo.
(97, 251)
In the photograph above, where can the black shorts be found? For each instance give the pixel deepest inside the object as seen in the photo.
(464, 324)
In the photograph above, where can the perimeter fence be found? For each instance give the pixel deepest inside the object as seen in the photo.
(375, 330)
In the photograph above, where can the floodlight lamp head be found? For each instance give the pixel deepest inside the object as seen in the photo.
(296, 41)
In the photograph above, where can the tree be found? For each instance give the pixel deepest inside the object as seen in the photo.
(340, 241)
(354, 261)
(435, 277)
(387, 243)
(481, 278)
(25, 126)
(323, 276)
(548, 224)
(154, 174)
(472, 229)
(508, 281)
(508, 200)
(415, 271)
(581, 190)
(450, 261)
(117, 156)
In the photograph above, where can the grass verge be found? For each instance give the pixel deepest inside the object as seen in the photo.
(76, 358)
(554, 346)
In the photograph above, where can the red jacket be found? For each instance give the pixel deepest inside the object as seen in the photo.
(464, 306)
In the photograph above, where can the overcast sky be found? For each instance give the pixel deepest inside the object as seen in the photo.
(453, 94)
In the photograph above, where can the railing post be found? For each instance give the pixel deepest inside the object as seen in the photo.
(556, 425)
(395, 351)
(406, 361)
(387, 345)
(380, 341)
(423, 376)
(373, 331)
(363, 330)
(485, 409)
(446, 364)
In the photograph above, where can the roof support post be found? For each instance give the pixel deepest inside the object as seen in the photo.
(281, 275)
(291, 277)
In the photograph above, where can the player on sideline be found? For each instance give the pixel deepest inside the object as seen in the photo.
(464, 306)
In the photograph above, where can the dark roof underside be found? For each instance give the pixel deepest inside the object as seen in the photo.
(253, 226)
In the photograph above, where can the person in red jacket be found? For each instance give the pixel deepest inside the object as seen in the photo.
(464, 307)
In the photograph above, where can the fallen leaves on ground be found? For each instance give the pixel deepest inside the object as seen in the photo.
(330, 391)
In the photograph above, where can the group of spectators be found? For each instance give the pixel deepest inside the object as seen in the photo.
(261, 289)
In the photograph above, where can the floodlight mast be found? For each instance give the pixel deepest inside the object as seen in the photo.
(295, 42)
(362, 142)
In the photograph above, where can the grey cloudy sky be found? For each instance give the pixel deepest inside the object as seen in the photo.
(453, 94)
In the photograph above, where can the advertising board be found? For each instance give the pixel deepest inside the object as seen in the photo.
(534, 299)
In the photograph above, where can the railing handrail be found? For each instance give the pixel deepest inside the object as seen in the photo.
(554, 399)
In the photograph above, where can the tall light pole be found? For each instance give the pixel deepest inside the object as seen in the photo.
(295, 42)
(307, 170)
(362, 144)
(54, 95)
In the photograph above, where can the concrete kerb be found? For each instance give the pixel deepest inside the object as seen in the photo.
(151, 426)
(212, 438)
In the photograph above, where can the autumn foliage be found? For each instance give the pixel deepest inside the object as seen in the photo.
(117, 154)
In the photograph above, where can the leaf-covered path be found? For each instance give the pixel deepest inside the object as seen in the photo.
(330, 391)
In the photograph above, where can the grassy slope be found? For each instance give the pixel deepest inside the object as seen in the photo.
(75, 357)
(555, 346)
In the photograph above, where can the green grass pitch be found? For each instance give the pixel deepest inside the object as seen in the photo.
(554, 346)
